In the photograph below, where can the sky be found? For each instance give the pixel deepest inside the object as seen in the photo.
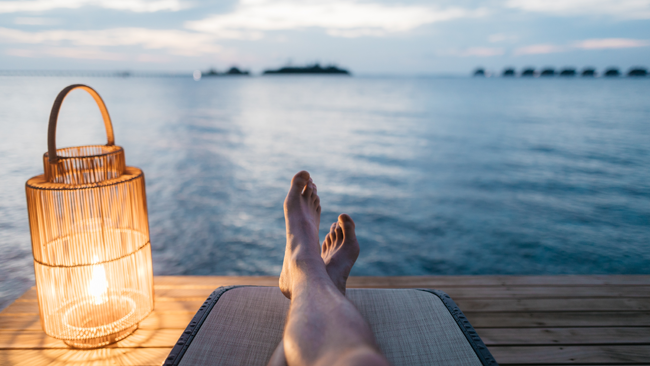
(367, 37)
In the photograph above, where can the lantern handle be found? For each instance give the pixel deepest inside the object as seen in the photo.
(54, 116)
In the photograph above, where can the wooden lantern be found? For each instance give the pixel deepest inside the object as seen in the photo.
(90, 239)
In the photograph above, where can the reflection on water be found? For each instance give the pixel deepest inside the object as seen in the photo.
(442, 176)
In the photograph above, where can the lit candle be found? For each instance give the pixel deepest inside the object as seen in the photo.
(98, 286)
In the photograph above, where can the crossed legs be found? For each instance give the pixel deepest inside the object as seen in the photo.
(323, 327)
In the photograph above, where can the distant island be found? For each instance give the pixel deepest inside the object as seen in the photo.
(232, 71)
(313, 69)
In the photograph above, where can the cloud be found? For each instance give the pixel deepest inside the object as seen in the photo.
(627, 9)
(138, 6)
(539, 49)
(500, 37)
(67, 52)
(176, 41)
(478, 51)
(340, 18)
(611, 43)
(589, 44)
(35, 21)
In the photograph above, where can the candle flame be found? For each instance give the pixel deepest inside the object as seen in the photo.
(98, 286)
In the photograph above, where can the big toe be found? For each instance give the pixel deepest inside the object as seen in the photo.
(298, 182)
(347, 224)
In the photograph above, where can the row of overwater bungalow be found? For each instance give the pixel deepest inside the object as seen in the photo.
(564, 72)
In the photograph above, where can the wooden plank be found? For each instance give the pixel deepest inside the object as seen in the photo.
(558, 319)
(530, 305)
(213, 282)
(571, 354)
(183, 293)
(189, 293)
(200, 286)
(533, 285)
(20, 322)
(30, 357)
(169, 320)
(564, 336)
(31, 308)
(97, 357)
(473, 281)
(141, 338)
(20, 308)
(157, 320)
(417, 281)
(534, 292)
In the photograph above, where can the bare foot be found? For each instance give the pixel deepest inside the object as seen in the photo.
(340, 251)
(302, 216)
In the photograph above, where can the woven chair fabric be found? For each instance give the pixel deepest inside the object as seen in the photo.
(245, 325)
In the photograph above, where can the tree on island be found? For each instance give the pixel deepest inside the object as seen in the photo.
(232, 71)
(312, 69)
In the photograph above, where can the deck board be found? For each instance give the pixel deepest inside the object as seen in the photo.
(549, 320)
(565, 336)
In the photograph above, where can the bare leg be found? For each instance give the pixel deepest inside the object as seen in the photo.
(339, 251)
(323, 327)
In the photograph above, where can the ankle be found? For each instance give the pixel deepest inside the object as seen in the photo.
(306, 266)
(308, 274)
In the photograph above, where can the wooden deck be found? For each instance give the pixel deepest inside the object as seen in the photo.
(541, 320)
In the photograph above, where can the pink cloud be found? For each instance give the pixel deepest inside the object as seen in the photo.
(609, 43)
(588, 44)
(539, 49)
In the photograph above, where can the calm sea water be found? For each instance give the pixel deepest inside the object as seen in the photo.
(441, 175)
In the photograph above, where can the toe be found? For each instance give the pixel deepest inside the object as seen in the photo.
(346, 222)
(309, 190)
(339, 233)
(299, 182)
(328, 241)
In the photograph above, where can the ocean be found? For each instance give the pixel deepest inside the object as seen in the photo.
(442, 175)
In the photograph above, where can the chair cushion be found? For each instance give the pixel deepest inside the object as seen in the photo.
(242, 325)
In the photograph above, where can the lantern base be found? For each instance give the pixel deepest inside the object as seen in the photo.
(101, 341)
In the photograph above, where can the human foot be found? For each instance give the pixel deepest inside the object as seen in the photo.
(302, 216)
(340, 251)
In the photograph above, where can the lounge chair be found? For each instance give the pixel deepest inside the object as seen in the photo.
(242, 325)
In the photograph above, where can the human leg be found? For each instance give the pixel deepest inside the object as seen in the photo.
(339, 251)
(323, 327)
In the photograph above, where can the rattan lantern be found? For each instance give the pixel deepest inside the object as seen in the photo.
(90, 239)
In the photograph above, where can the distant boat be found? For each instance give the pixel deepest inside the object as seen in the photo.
(479, 72)
(313, 69)
(612, 72)
(638, 71)
(549, 71)
(568, 71)
(588, 72)
(529, 72)
(508, 72)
